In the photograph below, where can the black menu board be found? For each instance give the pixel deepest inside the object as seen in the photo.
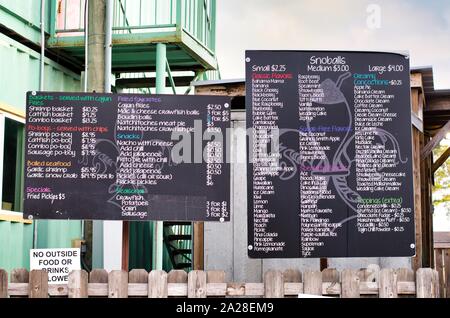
(330, 156)
(126, 157)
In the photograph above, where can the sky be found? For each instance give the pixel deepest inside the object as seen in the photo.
(418, 26)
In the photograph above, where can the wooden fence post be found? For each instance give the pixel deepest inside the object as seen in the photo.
(118, 284)
(197, 284)
(3, 284)
(78, 284)
(446, 254)
(157, 284)
(406, 275)
(292, 276)
(388, 283)
(350, 284)
(38, 284)
(273, 284)
(138, 276)
(312, 282)
(427, 282)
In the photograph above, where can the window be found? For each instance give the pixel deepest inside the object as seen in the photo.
(11, 162)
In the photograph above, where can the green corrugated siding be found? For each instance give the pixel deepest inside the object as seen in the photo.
(19, 73)
(24, 17)
(16, 239)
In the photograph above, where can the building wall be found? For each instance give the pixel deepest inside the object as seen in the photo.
(19, 73)
(226, 243)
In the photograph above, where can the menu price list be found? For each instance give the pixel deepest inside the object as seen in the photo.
(339, 182)
(104, 156)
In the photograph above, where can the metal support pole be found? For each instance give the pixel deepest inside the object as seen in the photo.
(108, 44)
(86, 45)
(41, 77)
(161, 57)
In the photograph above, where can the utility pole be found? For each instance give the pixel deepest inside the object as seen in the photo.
(95, 83)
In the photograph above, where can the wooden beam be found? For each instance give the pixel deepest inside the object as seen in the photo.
(426, 151)
(198, 246)
(435, 104)
(441, 160)
(144, 82)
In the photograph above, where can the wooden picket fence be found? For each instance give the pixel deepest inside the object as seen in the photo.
(368, 282)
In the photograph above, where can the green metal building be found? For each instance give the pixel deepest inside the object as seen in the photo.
(183, 31)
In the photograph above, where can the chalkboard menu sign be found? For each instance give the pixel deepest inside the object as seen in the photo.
(330, 157)
(126, 157)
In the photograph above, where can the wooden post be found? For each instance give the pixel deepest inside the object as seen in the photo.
(388, 283)
(439, 266)
(427, 282)
(350, 284)
(273, 284)
(125, 245)
(198, 245)
(215, 276)
(3, 284)
(197, 284)
(78, 284)
(157, 284)
(177, 276)
(118, 284)
(447, 272)
(312, 282)
(19, 275)
(330, 275)
(38, 284)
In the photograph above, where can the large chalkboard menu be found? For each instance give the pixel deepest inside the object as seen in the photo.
(330, 166)
(126, 157)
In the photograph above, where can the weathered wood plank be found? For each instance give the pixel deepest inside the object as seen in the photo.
(177, 289)
(3, 284)
(157, 284)
(426, 151)
(197, 284)
(19, 275)
(388, 283)
(138, 276)
(38, 284)
(78, 284)
(439, 266)
(118, 284)
(425, 283)
(98, 289)
(137, 289)
(216, 289)
(312, 282)
(177, 276)
(350, 284)
(273, 284)
(446, 281)
(99, 276)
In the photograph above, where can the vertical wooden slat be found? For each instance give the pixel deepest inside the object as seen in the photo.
(38, 284)
(19, 275)
(197, 284)
(198, 245)
(157, 284)
(118, 284)
(417, 135)
(3, 284)
(312, 282)
(439, 266)
(78, 284)
(138, 276)
(273, 284)
(99, 276)
(215, 276)
(349, 284)
(177, 276)
(388, 283)
(406, 275)
(426, 280)
(330, 275)
(292, 276)
(125, 245)
(446, 281)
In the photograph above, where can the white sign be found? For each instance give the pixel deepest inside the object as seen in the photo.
(57, 262)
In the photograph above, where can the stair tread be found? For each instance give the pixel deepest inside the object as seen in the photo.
(182, 251)
(176, 237)
(172, 223)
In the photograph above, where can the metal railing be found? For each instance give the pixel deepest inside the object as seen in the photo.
(195, 17)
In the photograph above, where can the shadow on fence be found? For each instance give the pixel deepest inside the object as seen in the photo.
(349, 283)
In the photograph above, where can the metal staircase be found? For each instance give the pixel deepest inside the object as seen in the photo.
(178, 242)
